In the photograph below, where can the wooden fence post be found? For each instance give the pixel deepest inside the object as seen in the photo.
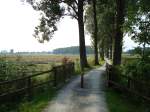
(110, 73)
(129, 83)
(64, 73)
(29, 90)
(55, 76)
(69, 70)
(73, 69)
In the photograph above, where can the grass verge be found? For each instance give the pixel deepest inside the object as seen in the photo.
(39, 101)
(119, 102)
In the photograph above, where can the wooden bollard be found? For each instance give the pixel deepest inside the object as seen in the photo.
(82, 80)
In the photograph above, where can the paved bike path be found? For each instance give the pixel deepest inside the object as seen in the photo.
(72, 98)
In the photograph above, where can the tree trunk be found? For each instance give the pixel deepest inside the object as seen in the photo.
(95, 33)
(83, 58)
(119, 33)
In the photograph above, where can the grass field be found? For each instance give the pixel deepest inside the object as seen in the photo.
(44, 62)
(38, 57)
(37, 63)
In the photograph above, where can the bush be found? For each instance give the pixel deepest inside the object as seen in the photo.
(66, 60)
(140, 71)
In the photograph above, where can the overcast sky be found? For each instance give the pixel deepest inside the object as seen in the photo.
(17, 22)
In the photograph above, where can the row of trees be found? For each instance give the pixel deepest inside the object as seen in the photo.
(106, 20)
(116, 19)
(111, 17)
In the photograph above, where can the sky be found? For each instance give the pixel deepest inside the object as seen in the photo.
(17, 22)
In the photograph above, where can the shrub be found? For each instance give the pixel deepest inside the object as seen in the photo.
(138, 69)
(66, 60)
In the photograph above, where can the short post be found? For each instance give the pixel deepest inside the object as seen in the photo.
(82, 73)
(82, 79)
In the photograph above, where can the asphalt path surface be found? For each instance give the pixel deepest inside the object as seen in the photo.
(91, 98)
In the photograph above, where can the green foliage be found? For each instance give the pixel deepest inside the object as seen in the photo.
(116, 73)
(51, 12)
(142, 34)
(139, 70)
(8, 70)
(138, 20)
(11, 70)
(37, 104)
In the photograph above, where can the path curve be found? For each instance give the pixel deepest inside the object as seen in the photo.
(74, 99)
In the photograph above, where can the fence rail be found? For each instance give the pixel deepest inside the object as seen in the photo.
(128, 84)
(25, 85)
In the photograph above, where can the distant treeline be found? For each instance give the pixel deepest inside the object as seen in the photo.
(72, 50)
(65, 50)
